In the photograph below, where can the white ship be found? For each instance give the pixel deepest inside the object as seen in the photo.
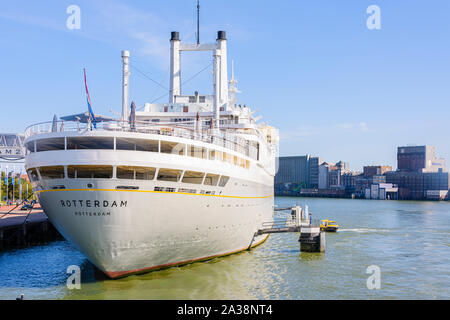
(175, 183)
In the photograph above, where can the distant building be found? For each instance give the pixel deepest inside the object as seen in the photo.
(420, 175)
(11, 146)
(419, 158)
(334, 178)
(379, 179)
(292, 169)
(437, 195)
(382, 191)
(298, 172)
(370, 171)
(341, 165)
(415, 185)
(370, 175)
(313, 166)
(324, 183)
(330, 175)
(349, 179)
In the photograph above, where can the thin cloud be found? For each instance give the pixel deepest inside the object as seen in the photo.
(352, 126)
(30, 19)
(111, 22)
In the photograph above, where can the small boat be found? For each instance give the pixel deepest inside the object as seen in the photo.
(328, 225)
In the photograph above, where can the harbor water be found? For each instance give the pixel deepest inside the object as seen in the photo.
(408, 241)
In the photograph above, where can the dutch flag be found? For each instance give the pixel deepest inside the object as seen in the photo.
(88, 99)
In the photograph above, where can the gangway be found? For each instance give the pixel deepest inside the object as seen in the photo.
(312, 239)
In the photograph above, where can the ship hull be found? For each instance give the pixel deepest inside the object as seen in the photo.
(133, 231)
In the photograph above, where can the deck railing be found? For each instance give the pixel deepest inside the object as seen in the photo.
(187, 130)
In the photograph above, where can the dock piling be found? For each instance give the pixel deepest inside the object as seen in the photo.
(312, 240)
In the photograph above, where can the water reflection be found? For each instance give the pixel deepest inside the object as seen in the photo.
(309, 256)
(241, 276)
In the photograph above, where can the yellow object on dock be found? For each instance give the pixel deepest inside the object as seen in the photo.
(328, 225)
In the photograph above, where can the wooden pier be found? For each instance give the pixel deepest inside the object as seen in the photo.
(19, 228)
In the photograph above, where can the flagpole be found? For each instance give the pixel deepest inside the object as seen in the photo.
(20, 186)
(92, 119)
(14, 184)
(1, 181)
(6, 182)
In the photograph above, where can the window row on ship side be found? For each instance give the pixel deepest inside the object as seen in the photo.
(136, 144)
(126, 172)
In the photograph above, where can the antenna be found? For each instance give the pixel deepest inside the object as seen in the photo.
(198, 22)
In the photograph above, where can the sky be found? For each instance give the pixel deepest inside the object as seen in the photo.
(313, 69)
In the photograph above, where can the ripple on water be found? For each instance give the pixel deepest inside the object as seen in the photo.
(407, 240)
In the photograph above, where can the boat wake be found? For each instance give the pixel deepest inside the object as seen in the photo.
(363, 230)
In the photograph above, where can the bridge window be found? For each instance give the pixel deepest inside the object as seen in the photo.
(215, 155)
(211, 179)
(242, 163)
(32, 174)
(169, 175)
(227, 157)
(30, 146)
(172, 147)
(90, 172)
(77, 143)
(145, 173)
(197, 152)
(52, 172)
(50, 144)
(138, 173)
(193, 177)
(125, 172)
(223, 181)
(136, 144)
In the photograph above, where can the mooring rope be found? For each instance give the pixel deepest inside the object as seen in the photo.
(17, 206)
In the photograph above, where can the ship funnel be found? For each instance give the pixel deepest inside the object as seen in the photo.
(222, 46)
(175, 79)
(174, 35)
(220, 76)
(221, 35)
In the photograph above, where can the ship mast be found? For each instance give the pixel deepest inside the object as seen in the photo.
(232, 88)
(198, 22)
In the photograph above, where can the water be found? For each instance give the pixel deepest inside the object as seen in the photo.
(408, 241)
